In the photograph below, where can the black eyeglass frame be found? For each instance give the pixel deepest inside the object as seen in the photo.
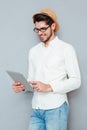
(43, 29)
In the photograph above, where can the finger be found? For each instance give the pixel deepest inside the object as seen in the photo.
(16, 83)
(18, 88)
(35, 86)
(22, 87)
(32, 82)
(38, 89)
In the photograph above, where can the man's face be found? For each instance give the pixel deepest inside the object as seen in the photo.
(44, 31)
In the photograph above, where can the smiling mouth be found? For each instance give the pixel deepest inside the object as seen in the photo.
(41, 36)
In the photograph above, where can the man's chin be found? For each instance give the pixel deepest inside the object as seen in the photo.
(43, 40)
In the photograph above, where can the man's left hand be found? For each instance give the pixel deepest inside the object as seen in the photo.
(40, 87)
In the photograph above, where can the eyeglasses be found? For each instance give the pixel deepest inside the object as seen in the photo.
(43, 29)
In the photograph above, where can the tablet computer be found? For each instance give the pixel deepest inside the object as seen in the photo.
(18, 77)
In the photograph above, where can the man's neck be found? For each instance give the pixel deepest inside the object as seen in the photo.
(48, 42)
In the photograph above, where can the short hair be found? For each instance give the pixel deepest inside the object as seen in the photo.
(42, 17)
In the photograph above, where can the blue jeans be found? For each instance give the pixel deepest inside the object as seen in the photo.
(52, 119)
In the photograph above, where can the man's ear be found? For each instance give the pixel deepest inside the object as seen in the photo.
(53, 26)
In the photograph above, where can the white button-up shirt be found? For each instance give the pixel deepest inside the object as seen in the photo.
(56, 65)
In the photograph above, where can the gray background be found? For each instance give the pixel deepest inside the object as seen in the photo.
(17, 37)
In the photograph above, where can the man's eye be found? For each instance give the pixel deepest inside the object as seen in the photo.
(43, 29)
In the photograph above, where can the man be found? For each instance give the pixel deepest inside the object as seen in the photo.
(53, 72)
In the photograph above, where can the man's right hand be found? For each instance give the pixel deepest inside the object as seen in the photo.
(18, 87)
